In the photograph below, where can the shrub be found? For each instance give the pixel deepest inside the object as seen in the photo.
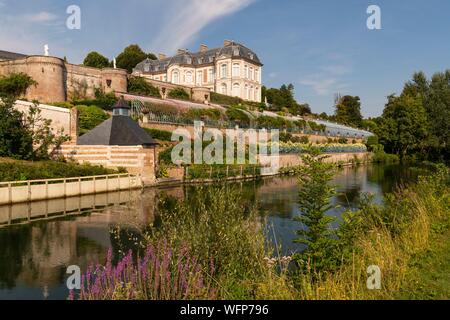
(139, 86)
(159, 134)
(90, 117)
(22, 170)
(179, 93)
(15, 85)
(225, 100)
(102, 100)
(235, 114)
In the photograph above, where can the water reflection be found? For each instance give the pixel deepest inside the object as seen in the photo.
(34, 256)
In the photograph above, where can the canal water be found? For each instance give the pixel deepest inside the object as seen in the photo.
(34, 256)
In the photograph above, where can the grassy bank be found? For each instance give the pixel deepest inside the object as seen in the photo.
(224, 238)
(17, 170)
(394, 237)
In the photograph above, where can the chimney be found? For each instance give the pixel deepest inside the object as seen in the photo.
(203, 48)
(227, 42)
(161, 56)
(181, 51)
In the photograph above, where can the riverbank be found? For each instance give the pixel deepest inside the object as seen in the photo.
(429, 276)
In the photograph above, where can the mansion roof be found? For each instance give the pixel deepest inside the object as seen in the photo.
(232, 50)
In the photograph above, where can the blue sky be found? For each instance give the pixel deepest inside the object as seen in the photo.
(321, 46)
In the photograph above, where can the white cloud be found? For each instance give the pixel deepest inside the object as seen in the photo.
(40, 17)
(337, 70)
(321, 87)
(186, 19)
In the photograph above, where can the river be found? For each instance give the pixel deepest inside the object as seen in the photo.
(34, 256)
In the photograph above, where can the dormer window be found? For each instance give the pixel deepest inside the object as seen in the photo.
(147, 67)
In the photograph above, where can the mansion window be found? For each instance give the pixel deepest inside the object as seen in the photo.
(223, 71)
(175, 77)
(251, 74)
(188, 77)
(246, 92)
(257, 75)
(199, 78)
(223, 88)
(211, 75)
(236, 70)
(246, 71)
(257, 98)
(251, 94)
(236, 90)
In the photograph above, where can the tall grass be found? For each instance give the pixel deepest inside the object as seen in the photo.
(386, 236)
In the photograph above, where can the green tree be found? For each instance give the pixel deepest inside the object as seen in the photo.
(16, 141)
(348, 111)
(90, 117)
(96, 60)
(44, 139)
(178, 93)
(314, 200)
(403, 127)
(131, 56)
(139, 86)
(15, 85)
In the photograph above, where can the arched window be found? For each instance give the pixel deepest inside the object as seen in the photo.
(188, 77)
(251, 74)
(176, 77)
(246, 92)
(223, 88)
(236, 70)
(223, 71)
(236, 90)
(199, 77)
(257, 75)
(246, 71)
(257, 97)
(251, 94)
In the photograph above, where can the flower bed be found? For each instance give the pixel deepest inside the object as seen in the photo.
(291, 147)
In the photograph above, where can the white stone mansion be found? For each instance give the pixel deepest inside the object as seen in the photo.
(232, 70)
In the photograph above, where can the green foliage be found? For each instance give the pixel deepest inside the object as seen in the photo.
(25, 170)
(221, 230)
(371, 142)
(159, 134)
(314, 200)
(24, 136)
(96, 60)
(178, 93)
(138, 86)
(102, 100)
(348, 111)
(237, 115)
(16, 141)
(284, 98)
(404, 125)
(45, 140)
(272, 122)
(90, 117)
(131, 56)
(225, 100)
(15, 85)
(203, 114)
